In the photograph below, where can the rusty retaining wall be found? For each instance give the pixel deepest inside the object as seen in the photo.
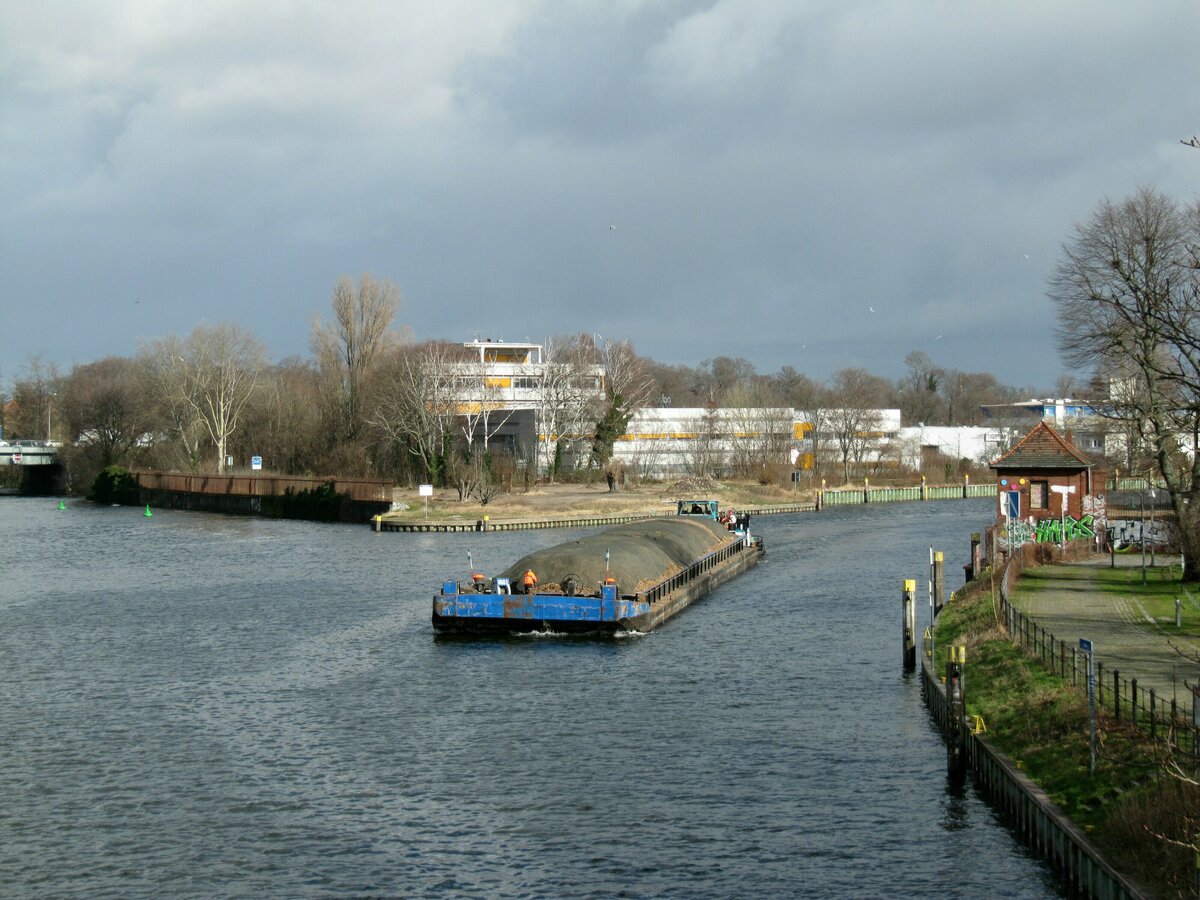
(365, 489)
(360, 499)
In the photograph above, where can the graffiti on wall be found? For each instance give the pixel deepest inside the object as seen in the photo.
(1132, 532)
(1046, 531)
(1096, 506)
(1013, 534)
(1067, 528)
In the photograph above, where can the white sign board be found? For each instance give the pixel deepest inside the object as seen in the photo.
(425, 490)
(256, 462)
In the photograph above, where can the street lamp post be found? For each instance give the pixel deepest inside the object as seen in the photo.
(1142, 497)
(1153, 509)
(49, 407)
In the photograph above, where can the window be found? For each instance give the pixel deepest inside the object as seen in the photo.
(1039, 495)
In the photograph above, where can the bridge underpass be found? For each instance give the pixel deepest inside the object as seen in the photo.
(41, 471)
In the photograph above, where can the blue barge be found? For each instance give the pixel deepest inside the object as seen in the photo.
(631, 577)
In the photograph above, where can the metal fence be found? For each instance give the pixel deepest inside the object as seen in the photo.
(1127, 701)
(1026, 808)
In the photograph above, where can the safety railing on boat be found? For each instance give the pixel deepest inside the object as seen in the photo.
(699, 567)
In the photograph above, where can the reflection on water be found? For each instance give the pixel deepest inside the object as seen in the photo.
(219, 706)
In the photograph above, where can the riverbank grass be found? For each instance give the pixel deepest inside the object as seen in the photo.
(1041, 722)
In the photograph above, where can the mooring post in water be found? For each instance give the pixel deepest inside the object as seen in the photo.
(956, 726)
(910, 624)
(939, 582)
(976, 561)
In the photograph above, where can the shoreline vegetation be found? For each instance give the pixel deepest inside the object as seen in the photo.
(1140, 807)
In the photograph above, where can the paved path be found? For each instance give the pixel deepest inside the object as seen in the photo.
(1067, 601)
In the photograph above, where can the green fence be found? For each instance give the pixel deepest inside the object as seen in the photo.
(1136, 484)
(866, 494)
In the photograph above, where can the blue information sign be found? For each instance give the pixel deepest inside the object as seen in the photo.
(1012, 504)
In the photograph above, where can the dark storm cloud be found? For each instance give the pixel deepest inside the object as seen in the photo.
(773, 170)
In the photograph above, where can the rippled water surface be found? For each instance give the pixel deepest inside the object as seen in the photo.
(200, 705)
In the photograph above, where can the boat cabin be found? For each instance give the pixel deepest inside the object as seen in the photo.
(705, 508)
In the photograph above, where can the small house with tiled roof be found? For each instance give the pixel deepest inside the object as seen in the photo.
(1044, 466)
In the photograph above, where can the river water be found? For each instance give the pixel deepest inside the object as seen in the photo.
(200, 705)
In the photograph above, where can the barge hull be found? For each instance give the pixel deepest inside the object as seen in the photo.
(493, 613)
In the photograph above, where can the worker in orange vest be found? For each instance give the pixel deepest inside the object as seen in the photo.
(529, 580)
(480, 581)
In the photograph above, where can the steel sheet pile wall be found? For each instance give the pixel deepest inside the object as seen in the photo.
(1040, 824)
(370, 490)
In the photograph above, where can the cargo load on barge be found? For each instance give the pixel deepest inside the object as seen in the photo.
(628, 578)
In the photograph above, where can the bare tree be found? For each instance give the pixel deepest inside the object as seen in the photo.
(919, 400)
(283, 421)
(1127, 293)
(484, 411)
(853, 419)
(758, 427)
(707, 458)
(33, 399)
(627, 388)
(203, 383)
(719, 376)
(105, 410)
(349, 348)
(417, 403)
(964, 393)
(165, 380)
(223, 364)
(567, 398)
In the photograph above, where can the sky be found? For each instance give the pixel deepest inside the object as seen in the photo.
(819, 185)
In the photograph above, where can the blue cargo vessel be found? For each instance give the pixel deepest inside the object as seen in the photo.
(631, 577)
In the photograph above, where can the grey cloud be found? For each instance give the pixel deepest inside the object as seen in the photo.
(771, 170)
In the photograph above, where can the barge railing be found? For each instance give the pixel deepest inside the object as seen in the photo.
(699, 567)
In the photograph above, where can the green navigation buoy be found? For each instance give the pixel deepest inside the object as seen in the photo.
(62, 504)
(147, 513)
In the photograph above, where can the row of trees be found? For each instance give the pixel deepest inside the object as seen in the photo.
(926, 392)
(371, 401)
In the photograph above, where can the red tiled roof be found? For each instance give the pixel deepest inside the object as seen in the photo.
(1043, 448)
